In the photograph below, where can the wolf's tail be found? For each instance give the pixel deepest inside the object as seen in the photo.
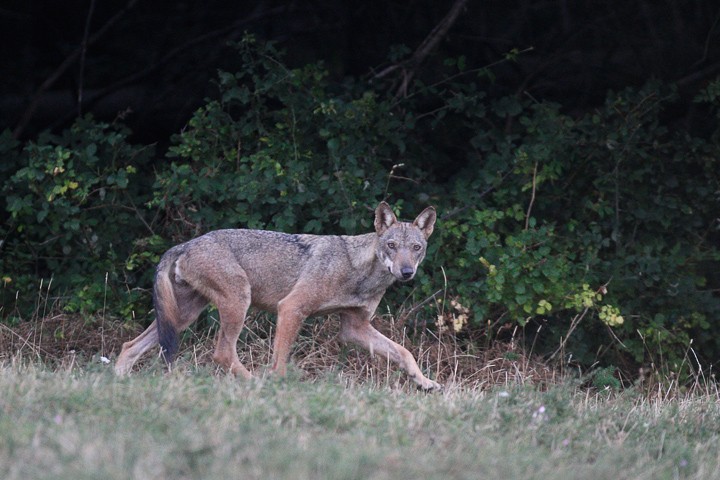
(166, 310)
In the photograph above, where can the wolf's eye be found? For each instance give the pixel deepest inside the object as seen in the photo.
(391, 245)
(417, 247)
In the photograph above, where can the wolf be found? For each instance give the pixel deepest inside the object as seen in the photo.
(292, 275)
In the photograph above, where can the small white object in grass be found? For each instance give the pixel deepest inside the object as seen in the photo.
(105, 360)
(539, 415)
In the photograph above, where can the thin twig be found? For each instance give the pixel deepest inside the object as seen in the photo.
(170, 55)
(417, 307)
(573, 325)
(25, 341)
(532, 197)
(451, 77)
(708, 41)
(390, 177)
(83, 53)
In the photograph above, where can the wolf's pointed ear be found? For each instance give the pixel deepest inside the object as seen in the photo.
(426, 221)
(384, 218)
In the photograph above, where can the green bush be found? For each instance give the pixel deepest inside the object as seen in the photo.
(75, 209)
(601, 227)
(612, 199)
(280, 150)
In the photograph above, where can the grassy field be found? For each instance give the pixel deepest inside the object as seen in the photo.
(78, 421)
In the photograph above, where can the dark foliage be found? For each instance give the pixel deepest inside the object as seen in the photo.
(578, 197)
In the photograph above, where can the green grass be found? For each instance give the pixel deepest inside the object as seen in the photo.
(82, 422)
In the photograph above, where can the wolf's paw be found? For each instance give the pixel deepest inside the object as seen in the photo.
(430, 386)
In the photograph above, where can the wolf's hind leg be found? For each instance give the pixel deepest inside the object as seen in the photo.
(133, 349)
(190, 304)
(232, 306)
(232, 320)
(356, 328)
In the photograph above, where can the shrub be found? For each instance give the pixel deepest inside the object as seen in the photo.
(600, 227)
(76, 207)
(280, 150)
(613, 199)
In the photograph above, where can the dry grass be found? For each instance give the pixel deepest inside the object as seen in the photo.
(61, 338)
(55, 338)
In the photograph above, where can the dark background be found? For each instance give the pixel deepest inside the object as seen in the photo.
(153, 62)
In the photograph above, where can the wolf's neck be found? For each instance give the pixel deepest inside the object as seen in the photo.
(365, 261)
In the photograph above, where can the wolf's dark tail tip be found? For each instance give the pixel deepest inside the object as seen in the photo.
(169, 341)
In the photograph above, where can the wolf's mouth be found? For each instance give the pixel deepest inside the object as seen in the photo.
(402, 278)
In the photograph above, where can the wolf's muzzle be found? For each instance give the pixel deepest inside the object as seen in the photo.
(407, 272)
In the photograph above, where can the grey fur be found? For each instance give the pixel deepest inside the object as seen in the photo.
(293, 275)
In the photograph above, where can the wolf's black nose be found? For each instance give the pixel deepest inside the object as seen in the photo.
(407, 272)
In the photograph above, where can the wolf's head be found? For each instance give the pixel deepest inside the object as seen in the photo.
(401, 245)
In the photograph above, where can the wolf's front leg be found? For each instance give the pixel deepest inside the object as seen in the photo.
(358, 330)
(291, 314)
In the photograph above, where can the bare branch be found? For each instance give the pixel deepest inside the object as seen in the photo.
(83, 53)
(532, 197)
(410, 66)
(205, 37)
(63, 67)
